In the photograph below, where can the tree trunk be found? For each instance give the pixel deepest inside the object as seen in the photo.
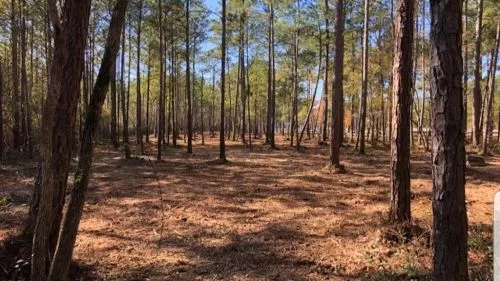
(114, 132)
(168, 97)
(242, 76)
(25, 110)
(59, 124)
(188, 88)
(222, 137)
(273, 96)
(230, 125)
(477, 76)
(448, 150)
(391, 81)
(381, 81)
(484, 98)
(466, 65)
(364, 82)
(1, 111)
(212, 128)
(338, 94)
(294, 128)
(353, 121)
(269, 78)
(236, 102)
(327, 72)
(490, 94)
(193, 91)
(498, 128)
(166, 114)
(424, 90)
(16, 133)
(71, 220)
(123, 99)
(138, 74)
(311, 106)
(247, 73)
(271, 90)
(174, 102)
(148, 93)
(129, 67)
(414, 79)
(202, 120)
(401, 117)
(161, 108)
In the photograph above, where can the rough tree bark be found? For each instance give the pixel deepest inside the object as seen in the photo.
(1, 110)
(448, 149)
(70, 33)
(71, 220)
(402, 89)
(466, 65)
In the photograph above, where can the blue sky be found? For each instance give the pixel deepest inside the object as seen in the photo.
(213, 4)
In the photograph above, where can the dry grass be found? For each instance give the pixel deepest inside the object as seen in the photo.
(265, 215)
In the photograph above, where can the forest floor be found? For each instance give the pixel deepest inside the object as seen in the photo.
(266, 215)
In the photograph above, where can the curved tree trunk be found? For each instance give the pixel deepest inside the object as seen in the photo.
(59, 125)
(71, 220)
